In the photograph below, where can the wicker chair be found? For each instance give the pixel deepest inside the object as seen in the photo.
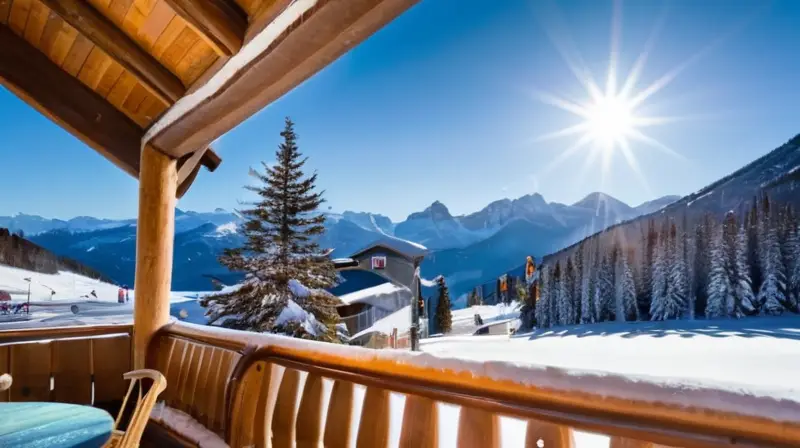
(131, 437)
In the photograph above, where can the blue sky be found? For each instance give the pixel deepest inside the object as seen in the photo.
(442, 105)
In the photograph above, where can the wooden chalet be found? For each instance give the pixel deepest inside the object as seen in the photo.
(150, 85)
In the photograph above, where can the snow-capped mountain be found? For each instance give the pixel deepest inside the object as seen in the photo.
(436, 228)
(480, 243)
(774, 174)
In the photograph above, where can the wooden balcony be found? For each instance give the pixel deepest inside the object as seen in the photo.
(262, 390)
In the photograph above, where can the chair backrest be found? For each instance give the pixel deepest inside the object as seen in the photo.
(144, 404)
(5, 382)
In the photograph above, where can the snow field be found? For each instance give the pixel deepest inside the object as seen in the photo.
(67, 285)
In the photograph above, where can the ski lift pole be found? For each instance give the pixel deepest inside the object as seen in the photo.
(29, 294)
(414, 329)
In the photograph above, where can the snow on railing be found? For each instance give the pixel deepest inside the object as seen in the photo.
(294, 391)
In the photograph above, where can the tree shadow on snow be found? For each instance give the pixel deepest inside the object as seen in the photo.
(785, 327)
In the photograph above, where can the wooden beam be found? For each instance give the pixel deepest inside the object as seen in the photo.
(154, 238)
(219, 22)
(279, 60)
(264, 16)
(30, 75)
(98, 29)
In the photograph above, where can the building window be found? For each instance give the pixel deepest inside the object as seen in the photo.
(379, 262)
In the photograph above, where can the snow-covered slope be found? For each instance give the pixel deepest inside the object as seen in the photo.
(760, 356)
(61, 286)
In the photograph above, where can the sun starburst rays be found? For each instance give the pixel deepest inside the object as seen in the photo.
(611, 118)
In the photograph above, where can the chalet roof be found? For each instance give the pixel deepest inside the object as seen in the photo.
(407, 249)
(172, 74)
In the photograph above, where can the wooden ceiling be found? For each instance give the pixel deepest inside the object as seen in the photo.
(107, 70)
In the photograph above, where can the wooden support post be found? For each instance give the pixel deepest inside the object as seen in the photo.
(155, 231)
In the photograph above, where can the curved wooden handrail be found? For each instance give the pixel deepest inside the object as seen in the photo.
(533, 393)
(46, 333)
(197, 333)
(630, 419)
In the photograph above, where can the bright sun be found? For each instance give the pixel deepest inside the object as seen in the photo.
(609, 120)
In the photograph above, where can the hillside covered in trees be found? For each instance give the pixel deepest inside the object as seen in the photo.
(17, 252)
(747, 263)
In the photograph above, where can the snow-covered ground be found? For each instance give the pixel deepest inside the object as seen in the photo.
(755, 356)
(50, 309)
(66, 285)
(463, 320)
(761, 355)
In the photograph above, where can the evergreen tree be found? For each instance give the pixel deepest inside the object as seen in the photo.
(578, 285)
(280, 259)
(542, 305)
(771, 295)
(743, 290)
(444, 316)
(587, 305)
(565, 311)
(625, 296)
(678, 281)
(571, 286)
(527, 311)
(555, 279)
(704, 233)
(689, 249)
(605, 291)
(649, 252)
(720, 290)
(659, 280)
(753, 252)
(793, 273)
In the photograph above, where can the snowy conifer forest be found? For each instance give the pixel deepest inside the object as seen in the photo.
(745, 264)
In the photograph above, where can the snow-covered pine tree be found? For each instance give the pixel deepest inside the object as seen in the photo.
(631, 306)
(677, 279)
(527, 310)
(743, 290)
(704, 233)
(660, 271)
(619, 269)
(720, 290)
(555, 281)
(771, 295)
(444, 316)
(587, 305)
(688, 256)
(625, 296)
(565, 311)
(793, 274)
(605, 291)
(788, 228)
(570, 287)
(284, 268)
(751, 224)
(542, 305)
(649, 252)
(578, 285)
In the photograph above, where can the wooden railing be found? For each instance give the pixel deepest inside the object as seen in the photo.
(81, 364)
(262, 390)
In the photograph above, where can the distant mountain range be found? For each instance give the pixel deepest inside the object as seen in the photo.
(468, 249)
(776, 174)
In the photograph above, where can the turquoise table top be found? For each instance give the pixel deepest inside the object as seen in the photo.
(57, 425)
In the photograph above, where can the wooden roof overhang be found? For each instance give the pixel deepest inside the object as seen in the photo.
(172, 74)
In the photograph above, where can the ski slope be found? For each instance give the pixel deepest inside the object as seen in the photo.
(61, 286)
